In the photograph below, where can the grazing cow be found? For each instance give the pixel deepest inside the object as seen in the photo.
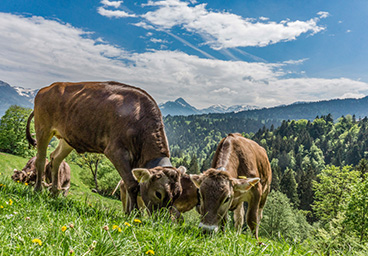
(28, 174)
(185, 202)
(121, 121)
(63, 177)
(240, 172)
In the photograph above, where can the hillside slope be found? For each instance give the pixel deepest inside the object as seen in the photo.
(36, 224)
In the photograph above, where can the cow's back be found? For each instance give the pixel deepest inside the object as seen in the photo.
(91, 115)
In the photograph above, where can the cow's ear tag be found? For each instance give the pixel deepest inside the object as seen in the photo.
(141, 175)
(242, 177)
(243, 185)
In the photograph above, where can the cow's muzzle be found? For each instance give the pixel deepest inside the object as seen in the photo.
(208, 228)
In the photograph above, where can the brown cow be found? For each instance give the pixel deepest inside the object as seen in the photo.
(28, 174)
(185, 202)
(238, 166)
(63, 176)
(121, 121)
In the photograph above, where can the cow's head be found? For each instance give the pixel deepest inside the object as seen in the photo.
(217, 191)
(160, 186)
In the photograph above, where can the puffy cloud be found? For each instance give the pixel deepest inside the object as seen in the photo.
(227, 30)
(36, 52)
(115, 4)
(114, 14)
(323, 15)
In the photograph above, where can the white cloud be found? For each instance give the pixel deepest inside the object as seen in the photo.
(114, 14)
(225, 90)
(295, 62)
(115, 4)
(157, 40)
(224, 29)
(323, 15)
(36, 52)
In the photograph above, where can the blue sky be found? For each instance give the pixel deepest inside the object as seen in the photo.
(263, 53)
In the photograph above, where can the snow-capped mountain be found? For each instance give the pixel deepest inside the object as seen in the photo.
(26, 92)
(181, 107)
(15, 96)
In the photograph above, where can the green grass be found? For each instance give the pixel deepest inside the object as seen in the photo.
(38, 216)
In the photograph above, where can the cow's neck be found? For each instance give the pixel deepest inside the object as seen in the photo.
(160, 161)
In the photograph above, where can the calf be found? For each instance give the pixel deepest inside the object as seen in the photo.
(240, 172)
(185, 202)
(29, 175)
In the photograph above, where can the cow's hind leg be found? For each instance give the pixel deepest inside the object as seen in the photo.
(63, 149)
(43, 139)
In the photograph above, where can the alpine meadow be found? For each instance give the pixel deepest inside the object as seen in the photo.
(183, 127)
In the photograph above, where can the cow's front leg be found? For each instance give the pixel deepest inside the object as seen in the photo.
(119, 157)
(239, 217)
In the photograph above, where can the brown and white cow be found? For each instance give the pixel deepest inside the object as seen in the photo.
(185, 202)
(240, 172)
(29, 175)
(121, 121)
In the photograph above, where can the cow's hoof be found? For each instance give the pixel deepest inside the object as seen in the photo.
(38, 188)
(54, 192)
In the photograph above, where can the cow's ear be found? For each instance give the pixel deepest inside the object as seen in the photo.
(243, 185)
(196, 179)
(182, 170)
(141, 175)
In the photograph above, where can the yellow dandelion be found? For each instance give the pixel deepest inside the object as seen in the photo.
(26, 184)
(137, 221)
(127, 224)
(115, 227)
(1, 185)
(150, 252)
(1, 206)
(37, 241)
(63, 228)
(119, 229)
(17, 181)
(10, 202)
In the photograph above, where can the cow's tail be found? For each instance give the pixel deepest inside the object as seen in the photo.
(31, 141)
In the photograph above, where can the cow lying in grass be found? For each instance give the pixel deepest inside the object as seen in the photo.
(121, 121)
(151, 178)
(29, 175)
(240, 172)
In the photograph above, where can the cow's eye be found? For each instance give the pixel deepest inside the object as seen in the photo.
(158, 195)
(227, 200)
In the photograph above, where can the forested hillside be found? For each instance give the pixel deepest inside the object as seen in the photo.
(298, 150)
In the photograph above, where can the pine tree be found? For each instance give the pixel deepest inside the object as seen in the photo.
(288, 186)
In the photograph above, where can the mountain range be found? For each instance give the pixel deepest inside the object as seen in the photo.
(180, 107)
(11, 95)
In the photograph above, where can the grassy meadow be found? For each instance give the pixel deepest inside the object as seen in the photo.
(85, 223)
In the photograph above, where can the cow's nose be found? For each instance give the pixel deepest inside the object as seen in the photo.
(208, 228)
